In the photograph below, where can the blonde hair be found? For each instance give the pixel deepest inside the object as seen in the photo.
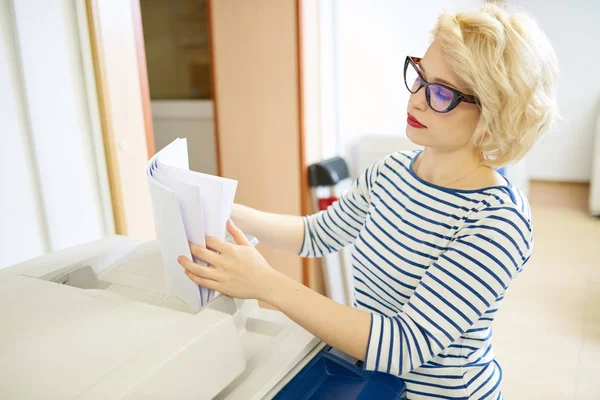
(508, 62)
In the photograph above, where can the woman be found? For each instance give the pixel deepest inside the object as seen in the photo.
(439, 234)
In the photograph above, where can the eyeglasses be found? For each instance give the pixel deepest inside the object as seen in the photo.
(440, 98)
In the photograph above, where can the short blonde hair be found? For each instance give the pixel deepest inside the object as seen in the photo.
(508, 62)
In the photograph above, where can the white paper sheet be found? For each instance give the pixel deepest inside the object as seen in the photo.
(187, 206)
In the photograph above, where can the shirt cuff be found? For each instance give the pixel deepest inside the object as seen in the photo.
(374, 344)
(305, 248)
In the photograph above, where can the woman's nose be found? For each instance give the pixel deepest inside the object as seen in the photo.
(418, 100)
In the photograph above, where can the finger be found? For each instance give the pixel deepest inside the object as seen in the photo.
(198, 270)
(207, 283)
(204, 254)
(237, 234)
(217, 244)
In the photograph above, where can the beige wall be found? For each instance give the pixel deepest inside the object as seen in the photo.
(257, 107)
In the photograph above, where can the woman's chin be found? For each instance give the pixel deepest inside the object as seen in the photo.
(413, 134)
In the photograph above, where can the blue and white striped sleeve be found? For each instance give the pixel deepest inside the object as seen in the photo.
(329, 230)
(456, 290)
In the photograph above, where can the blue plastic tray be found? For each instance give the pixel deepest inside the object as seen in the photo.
(328, 376)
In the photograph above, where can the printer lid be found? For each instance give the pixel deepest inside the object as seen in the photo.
(89, 341)
(77, 343)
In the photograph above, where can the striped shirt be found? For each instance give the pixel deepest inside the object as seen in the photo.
(431, 265)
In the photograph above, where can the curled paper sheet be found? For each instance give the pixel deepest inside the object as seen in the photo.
(188, 206)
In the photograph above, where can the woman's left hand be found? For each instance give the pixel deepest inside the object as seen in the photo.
(237, 270)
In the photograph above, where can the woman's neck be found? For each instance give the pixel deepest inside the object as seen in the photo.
(447, 168)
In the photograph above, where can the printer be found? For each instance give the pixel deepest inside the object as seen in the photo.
(96, 321)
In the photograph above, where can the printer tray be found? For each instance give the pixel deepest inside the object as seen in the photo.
(328, 376)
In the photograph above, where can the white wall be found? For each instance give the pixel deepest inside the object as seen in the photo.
(573, 28)
(372, 40)
(22, 230)
(54, 185)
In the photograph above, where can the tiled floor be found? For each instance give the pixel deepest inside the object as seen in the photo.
(547, 335)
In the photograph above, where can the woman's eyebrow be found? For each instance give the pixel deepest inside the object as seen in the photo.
(439, 80)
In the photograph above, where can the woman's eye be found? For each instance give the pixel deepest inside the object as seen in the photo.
(442, 94)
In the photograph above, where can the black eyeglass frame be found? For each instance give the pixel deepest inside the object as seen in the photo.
(457, 98)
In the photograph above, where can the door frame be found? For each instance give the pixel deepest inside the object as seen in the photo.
(127, 129)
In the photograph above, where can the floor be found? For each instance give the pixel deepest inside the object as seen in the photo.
(547, 335)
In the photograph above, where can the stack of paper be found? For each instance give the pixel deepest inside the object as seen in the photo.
(188, 206)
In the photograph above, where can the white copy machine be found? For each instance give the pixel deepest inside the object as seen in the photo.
(96, 321)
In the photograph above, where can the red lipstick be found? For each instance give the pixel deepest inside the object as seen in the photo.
(412, 121)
